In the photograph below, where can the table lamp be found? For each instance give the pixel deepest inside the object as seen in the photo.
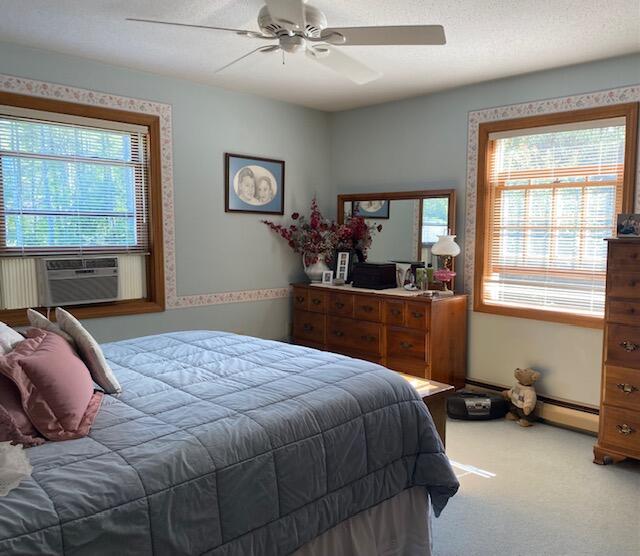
(447, 248)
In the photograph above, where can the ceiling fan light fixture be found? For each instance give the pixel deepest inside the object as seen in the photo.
(292, 44)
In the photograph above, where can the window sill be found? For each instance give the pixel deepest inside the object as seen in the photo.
(538, 314)
(18, 317)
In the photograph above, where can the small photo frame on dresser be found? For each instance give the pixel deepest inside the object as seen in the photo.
(628, 225)
(327, 277)
(343, 265)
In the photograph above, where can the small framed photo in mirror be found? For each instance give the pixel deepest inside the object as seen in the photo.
(327, 277)
(371, 209)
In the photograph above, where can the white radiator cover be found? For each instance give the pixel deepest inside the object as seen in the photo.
(19, 285)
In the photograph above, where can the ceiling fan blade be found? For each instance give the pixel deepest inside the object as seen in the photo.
(243, 32)
(270, 48)
(332, 58)
(389, 35)
(288, 13)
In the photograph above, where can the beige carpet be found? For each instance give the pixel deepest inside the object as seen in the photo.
(536, 492)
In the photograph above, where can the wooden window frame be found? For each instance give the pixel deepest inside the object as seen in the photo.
(155, 299)
(630, 112)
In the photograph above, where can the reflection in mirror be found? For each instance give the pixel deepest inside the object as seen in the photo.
(411, 222)
(435, 222)
(399, 237)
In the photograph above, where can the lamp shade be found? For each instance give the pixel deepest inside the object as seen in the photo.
(446, 246)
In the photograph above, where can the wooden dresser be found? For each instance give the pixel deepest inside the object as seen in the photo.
(619, 432)
(416, 335)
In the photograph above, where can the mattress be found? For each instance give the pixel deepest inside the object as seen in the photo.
(224, 444)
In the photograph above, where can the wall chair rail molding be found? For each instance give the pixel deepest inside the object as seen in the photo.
(622, 95)
(22, 86)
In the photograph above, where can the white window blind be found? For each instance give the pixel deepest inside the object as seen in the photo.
(553, 193)
(70, 184)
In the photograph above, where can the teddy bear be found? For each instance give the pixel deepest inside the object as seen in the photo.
(522, 397)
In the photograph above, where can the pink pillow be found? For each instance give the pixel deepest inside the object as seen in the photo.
(14, 424)
(54, 384)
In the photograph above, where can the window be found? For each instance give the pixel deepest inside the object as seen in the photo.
(69, 185)
(549, 191)
(435, 219)
(76, 180)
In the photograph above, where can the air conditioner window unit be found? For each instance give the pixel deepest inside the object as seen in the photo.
(77, 280)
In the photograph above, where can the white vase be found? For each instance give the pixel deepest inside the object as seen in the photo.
(314, 271)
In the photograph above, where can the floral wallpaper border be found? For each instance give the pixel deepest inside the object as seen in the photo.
(19, 85)
(561, 104)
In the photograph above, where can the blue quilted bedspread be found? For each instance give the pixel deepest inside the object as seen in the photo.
(224, 444)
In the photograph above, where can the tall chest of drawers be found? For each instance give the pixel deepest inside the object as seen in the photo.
(619, 430)
(415, 335)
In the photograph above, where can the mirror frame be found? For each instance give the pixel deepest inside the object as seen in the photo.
(403, 196)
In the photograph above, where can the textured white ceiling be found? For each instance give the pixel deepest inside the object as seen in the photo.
(486, 39)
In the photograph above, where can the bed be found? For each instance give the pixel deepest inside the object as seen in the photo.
(224, 444)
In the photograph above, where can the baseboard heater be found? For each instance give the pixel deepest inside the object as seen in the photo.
(551, 410)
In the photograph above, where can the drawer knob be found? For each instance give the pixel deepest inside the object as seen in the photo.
(417, 314)
(395, 312)
(338, 333)
(625, 429)
(316, 301)
(307, 327)
(629, 346)
(299, 298)
(367, 308)
(368, 338)
(406, 345)
(339, 305)
(626, 388)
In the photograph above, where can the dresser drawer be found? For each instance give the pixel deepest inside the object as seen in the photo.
(622, 387)
(317, 301)
(366, 337)
(403, 342)
(620, 429)
(309, 326)
(394, 312)
(624, 256)
(408, 366)
(300, 298)
(354, 335)
(625, 312)
(621, 284)
(367, 308)
(417, 315)
(341, 304)
(623, 345)
(339, 332)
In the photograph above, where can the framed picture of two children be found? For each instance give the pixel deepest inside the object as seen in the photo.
(253, 184)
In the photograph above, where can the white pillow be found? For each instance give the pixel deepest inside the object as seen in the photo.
(38, 320)
(89, 351)
(8, 338)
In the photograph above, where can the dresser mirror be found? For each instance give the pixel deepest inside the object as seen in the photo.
(411, 222)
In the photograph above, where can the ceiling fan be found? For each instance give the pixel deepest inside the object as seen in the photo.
(299, 27)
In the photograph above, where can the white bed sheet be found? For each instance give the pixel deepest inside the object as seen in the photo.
(400, 526)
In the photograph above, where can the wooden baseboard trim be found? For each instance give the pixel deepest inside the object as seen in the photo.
(555, 412)
(545, 399)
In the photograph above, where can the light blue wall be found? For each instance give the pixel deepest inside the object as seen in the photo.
(421, 143)
(418, 143)
(215, 251)
(395, 241)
